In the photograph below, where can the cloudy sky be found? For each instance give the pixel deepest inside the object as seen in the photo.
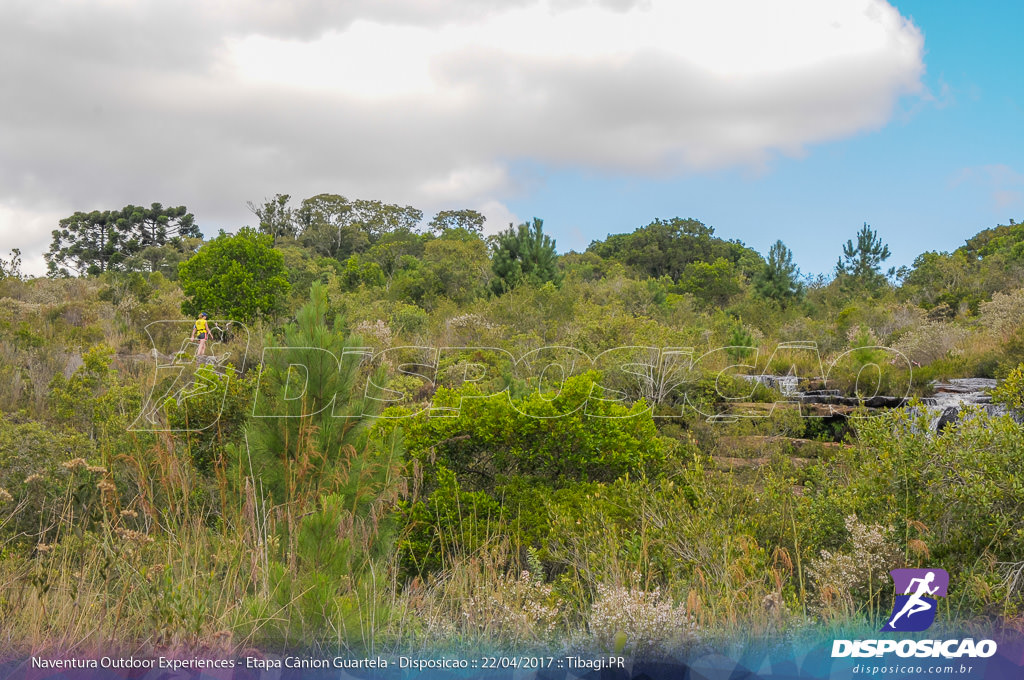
(795, 119)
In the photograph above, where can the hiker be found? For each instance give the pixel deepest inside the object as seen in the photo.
(200, 331)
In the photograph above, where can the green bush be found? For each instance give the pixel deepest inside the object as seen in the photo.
(447, 525)
(958, 493)
(1010, 392)
(574, 435)
(212, 418)
(35, 485)
(237, 277)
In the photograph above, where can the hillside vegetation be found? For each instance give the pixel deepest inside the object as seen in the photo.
(474, 497)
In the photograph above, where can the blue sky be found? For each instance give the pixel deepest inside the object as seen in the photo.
(928, 180)
(795, 119)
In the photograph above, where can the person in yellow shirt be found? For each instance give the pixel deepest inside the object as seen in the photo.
(201, 331)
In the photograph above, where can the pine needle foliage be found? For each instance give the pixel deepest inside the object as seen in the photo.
(310, 422)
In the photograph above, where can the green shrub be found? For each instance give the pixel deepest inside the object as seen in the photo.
(1010, 392)
(210, 415)
(574, 435)
(448, 525)
(36, 485)
(237, 277)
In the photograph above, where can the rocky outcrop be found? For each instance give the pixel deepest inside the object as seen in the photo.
(946, 406)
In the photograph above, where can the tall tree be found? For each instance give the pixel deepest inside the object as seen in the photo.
(332, 209)
(157, 225)
(711, 282)
(446, 220)
(377, 218)
(277, 218)
(862, 261)
(11, 269)
(325, 224)
(89, 243)
(1004, 239)
(393, 251)
(524, 254)
(459, 268)
(667, 247)
(161, 237)
(935, 279)
(778, 279)
(133, 238)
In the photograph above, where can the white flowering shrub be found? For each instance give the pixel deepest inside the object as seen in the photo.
(633, 621)
(519, 608)
(1004, 314)
(510, 610)
(470, 320)
(378, 331)
(845, 580)
(929, 341)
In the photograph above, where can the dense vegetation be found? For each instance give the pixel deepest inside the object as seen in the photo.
(468, 496)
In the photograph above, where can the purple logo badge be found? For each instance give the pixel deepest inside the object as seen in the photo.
(915, 606)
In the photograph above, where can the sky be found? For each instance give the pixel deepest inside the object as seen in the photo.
(796, 120)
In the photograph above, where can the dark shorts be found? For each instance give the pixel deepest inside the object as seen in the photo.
(201, 336)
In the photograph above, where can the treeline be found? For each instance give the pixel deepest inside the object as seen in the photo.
(390, 255)
(382, 244)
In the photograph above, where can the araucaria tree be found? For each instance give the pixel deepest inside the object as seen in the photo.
(156, 225)
(159, 235)
(88, 244)
(132, 238)
(236, 276)
(779, 278)
(862, 261)
(524, 255)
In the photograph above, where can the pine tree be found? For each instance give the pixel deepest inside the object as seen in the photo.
(778, 279)
(741, 343)
(304, 441)
(524, 255)
(862, 262)
(335, 483)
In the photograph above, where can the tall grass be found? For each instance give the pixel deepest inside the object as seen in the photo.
(177, 561)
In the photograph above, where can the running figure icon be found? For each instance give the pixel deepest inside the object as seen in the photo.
(915, 604)
(915, 607)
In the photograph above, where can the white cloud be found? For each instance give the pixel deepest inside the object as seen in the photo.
(457, 184)
(1004, 185)
(429, 102)
(661, 87)
(30, 231)
(499, 217)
